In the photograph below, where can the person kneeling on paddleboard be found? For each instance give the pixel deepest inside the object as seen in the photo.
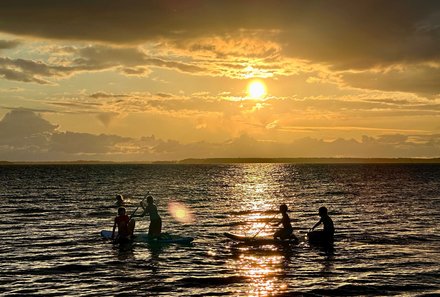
(328, 232)
(287, 231)
(125, 226)
(155, 229)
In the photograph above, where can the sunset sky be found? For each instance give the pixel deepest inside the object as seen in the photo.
(168, 80)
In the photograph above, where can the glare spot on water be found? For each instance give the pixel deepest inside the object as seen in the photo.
(180, 212)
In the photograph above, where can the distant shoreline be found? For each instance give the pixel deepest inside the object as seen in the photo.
(244, 160)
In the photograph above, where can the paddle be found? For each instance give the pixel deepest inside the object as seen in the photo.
(142, 201)
(270, 220)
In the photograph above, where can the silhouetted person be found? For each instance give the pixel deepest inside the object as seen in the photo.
(287, 231)
(327, 234)
(125, 226)
(155, 228)
(119, 200)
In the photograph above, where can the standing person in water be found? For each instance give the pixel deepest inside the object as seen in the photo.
(328, 232)
(155, 228)
(125, 226)
(287, 231)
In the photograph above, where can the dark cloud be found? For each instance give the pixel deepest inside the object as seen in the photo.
(108, 95)
(344, 33)
(130, 61)
(106, 117)
(106, 56)
(421, 79)
(8, 44)
(11, 74)
(31, 71)
(22, 128)
(27, 133)
(23, 122)
(101, 57)
(136, 71)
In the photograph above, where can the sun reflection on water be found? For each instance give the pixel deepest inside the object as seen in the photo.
(262, 269)
(257, 187)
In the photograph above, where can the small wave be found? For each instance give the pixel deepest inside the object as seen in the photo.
(356, 290)
(341, 193)
(398, 240)
(63, 269)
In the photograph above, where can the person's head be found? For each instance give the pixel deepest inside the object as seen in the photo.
(322, 211)
(119, 197)
(150, 200)
(283, 208)
(121, 211)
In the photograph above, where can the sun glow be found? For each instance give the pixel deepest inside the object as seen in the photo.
(256, 89)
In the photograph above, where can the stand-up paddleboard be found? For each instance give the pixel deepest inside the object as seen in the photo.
(143, 237)
(259, 240)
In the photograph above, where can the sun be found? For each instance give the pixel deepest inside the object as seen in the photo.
(256, 89)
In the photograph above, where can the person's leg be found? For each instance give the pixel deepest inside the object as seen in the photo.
(278, 234)
(150, 229)
(159, 227)
(155, 228)
(287, 234)
(292, 237)
(328, 237)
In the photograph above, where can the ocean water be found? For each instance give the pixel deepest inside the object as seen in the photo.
(387, 220)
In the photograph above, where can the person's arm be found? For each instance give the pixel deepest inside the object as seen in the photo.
(277, 224)
(114, 228)
(316, 225)
(146, 210)
(144, 213)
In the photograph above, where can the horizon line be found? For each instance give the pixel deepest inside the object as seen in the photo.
(299, 160)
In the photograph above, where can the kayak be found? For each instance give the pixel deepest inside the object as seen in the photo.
(259, 240)
(143, 237)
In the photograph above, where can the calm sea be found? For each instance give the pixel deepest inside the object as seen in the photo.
(387, 220)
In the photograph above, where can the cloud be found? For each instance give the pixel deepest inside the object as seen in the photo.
(9, 44)
(31, 71)
(85, 143)
(106, 118)
(420, 79)
(22, 122)
(22, 128)
(102, 57)
(26, 136)
(108, 95)
(342, 33)
(260, 38)
(127, 60)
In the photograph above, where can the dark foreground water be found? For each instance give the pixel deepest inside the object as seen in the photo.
(387, 220)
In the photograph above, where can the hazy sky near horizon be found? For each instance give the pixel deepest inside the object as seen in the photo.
(160, 80)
